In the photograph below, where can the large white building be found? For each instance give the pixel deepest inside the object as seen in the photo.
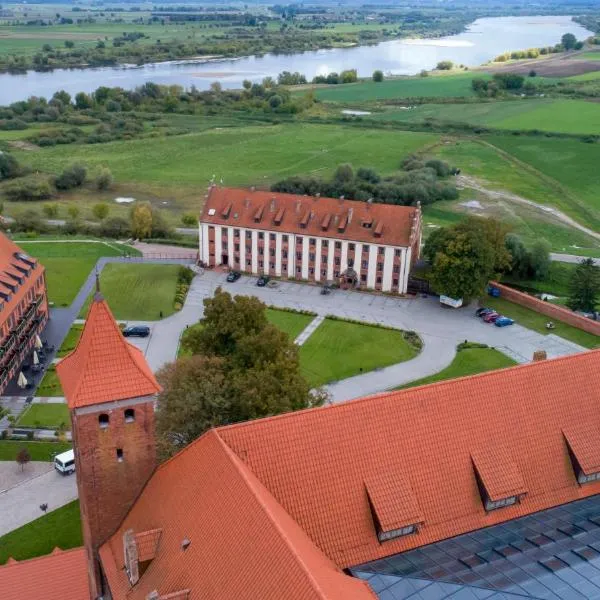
(355, 244)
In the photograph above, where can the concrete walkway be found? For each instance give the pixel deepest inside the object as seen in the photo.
(309, 330)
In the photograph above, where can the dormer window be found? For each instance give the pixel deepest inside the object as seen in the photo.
(498, 478)
(394, 506)
(582, 444)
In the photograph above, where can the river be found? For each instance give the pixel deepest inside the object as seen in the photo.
(483, 40)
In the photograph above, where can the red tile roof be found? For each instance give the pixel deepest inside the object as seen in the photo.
(499, 473)
(316, 462)
(104, 367)
(583, 441)
(57, 576)
(321, 217)
(243, 544)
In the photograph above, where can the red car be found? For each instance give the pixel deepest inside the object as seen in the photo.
(491, 317)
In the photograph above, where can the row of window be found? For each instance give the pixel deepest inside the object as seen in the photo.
(104, 419)
(20, 309)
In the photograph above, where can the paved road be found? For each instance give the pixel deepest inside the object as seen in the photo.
(569, 258)
(21, 504)
(440, 328)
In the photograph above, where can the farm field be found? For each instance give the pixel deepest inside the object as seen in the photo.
(563, 116)
(436, 86)
(141, 292)
(468, 361)
(49, 416)
(68, 264)
(60, 528)
(340, 349)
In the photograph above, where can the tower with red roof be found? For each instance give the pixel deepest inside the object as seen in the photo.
(111, 392)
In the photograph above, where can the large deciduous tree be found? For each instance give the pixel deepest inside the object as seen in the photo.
(242, 367)
(585, 286)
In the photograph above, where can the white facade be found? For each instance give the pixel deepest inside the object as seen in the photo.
(387, 267)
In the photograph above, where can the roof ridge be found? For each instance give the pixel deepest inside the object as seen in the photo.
(436, 384)
(237, 462)
(43, 557)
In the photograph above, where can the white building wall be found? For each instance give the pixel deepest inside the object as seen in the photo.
(344, 257)
(388, 267)
(305, 251)
(204, 243)
(406, 258)
(371, 273)
(291, 259)
(330, 259)
(318, 251)
(278, 254)
(218, 245)
(243, 266)
(254, 251)
(230, 247)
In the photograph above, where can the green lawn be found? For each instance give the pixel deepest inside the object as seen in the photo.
(289, 322)
(60, 528)
(69, 263)
(437, 86)
(252, 155)
(138, 292)
(70, 341)
(42, 451)
(537, 321)
(564, 116)
(50, 385)
(555, 283)
(588, 56)
(48, 416)
(468, 361)
(340, 349)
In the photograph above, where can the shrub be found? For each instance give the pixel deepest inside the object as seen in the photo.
(104, 180)
(115, 227)
(72, 177)
(32, 187)
(377, 76)
(100, 210)
(30, 221)
(445, 65)
(51, 210)
(9, 167)
(189, 220)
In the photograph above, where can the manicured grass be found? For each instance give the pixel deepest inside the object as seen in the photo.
(407, 87)
(248, 155)
(138, 292)
(60, 528)
(537, 321)
(68, 264)
(564, 116)
(70, 341)
(289, 322)
(48, 416)
(555, 283)
(50, 385)
(41, 451)
(340, 349)
(468, 361)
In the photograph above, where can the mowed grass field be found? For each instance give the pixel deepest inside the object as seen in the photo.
(42, 451)
(138, 291)
(563, 116)
(253, 155)
(68, 264)
(49, 416)
(438, 86)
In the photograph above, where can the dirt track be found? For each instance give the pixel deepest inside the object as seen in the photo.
(562, 65)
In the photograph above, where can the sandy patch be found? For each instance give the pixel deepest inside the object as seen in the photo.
(23, 145)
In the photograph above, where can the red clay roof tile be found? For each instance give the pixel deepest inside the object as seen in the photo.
(303, 215)
(104, 367)
(61, 575)
(584, 440)
(499, 473)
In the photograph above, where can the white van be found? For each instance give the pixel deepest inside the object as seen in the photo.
(65, 463)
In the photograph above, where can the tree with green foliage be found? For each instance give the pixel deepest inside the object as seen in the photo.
(585, 286)
(104, 180)
(100, 210)
(23, 457)
(568, 40)
(9, 167)
(540, 260)
(377, 76)
(73, 176)
(83, 101)
(466, 256)
(141, 220)
(51, 210)
(73, 212)
(189, 220)
(344, 173)
(242, 367)
(445, 65)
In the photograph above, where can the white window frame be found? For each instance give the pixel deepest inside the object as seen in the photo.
(384, 536)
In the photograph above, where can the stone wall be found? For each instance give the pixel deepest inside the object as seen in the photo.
(546, 308)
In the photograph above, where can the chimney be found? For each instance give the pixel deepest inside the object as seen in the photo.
(130, 553)
(350, 213)
(252, 189)
(539, 355)
(153, 595)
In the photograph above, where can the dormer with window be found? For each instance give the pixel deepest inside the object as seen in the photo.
(498, 477)
(584, 452)
(393, 505)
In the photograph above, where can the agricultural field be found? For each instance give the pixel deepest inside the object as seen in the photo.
(138, 291)
(437, 86)
(68, 263)
(562, 116)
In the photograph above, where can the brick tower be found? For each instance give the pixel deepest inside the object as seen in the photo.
(110, 391)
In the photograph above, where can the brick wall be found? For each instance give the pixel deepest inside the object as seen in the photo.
(546, 308)
(108, 487)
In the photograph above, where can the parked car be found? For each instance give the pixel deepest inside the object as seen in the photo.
(491, 317)
(233, 276)
(481, 312)
(137, 330)
(503, 322)
(262, 280)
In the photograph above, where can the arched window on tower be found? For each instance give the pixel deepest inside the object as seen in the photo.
(129, 415)
(103, 420)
